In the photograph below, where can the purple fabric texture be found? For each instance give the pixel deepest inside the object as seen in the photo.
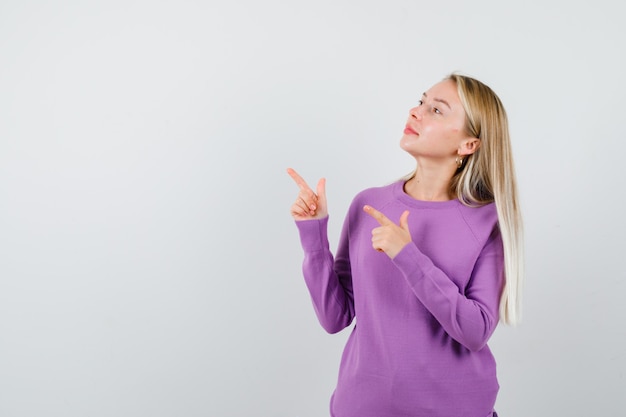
(419, 345)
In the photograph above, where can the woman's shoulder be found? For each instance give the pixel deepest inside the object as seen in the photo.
(375, 195)
(483, 217)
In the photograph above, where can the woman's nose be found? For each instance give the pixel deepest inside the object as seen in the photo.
(416, 113)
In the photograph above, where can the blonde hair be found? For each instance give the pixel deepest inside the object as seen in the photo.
(488, 175)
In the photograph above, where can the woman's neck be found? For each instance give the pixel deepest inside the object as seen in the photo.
(429, 186)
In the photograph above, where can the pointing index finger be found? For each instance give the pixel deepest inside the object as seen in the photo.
(298, 179)
(380, 217)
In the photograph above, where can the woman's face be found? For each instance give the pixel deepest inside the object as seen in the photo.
(436, 126)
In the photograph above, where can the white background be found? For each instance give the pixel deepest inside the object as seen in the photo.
(148, 262)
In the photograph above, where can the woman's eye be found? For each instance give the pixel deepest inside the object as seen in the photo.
(436, 110)
(420, 102)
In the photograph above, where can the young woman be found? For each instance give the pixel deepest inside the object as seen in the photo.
(428, 265)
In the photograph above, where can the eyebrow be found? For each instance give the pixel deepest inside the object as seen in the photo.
(439, 100)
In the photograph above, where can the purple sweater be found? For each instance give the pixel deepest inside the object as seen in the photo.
(423, 319)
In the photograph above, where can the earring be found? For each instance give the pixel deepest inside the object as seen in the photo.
(459, 161)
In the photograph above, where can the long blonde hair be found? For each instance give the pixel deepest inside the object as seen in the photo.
(489, 175)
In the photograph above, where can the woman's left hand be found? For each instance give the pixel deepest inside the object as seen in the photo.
(389, 237)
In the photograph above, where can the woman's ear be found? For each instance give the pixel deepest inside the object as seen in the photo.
(469, 146)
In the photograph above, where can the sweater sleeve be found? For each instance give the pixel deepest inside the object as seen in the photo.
(469, 315)
(328, 278)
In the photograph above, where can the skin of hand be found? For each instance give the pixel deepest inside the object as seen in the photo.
(389, 237)
(309, 205)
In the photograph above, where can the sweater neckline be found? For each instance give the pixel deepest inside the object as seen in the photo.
(400, 194)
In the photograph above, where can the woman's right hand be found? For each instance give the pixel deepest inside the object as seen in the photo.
(308, 205)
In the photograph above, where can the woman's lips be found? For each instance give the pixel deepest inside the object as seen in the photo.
(409, 131)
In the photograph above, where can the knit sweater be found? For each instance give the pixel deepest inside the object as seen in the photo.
(423, 319)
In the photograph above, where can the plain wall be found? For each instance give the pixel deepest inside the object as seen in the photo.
(148, 262)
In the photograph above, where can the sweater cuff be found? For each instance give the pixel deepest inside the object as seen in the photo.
(313, 234)
(410, 261)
